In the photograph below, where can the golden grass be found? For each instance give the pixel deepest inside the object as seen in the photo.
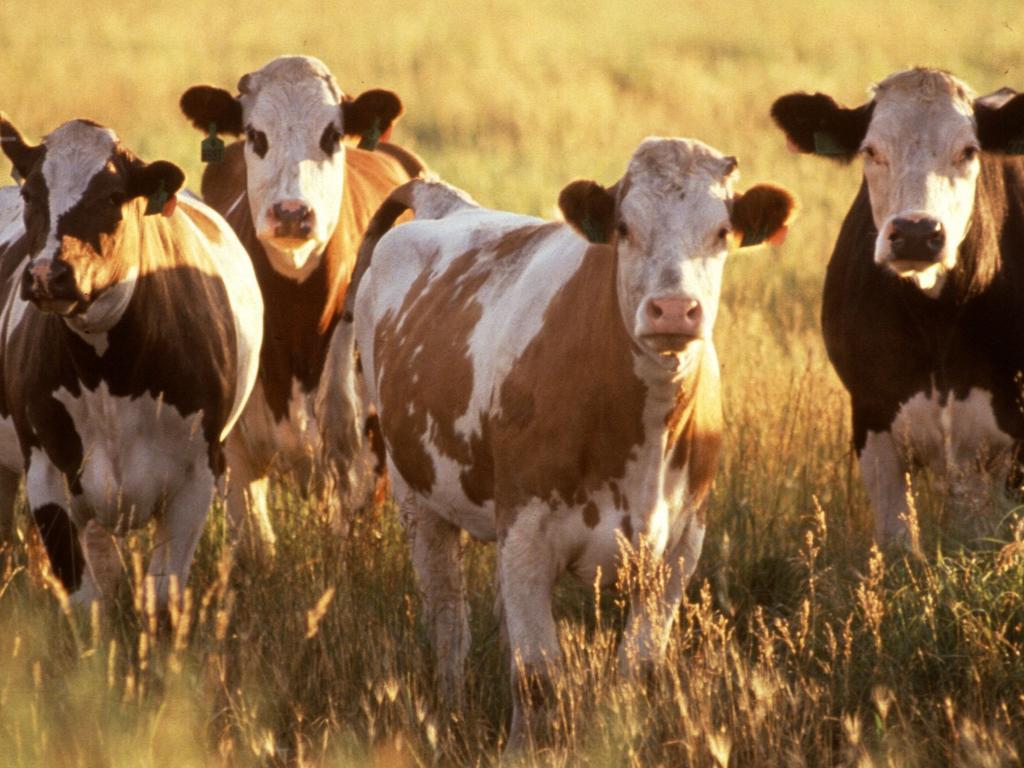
(799, 646)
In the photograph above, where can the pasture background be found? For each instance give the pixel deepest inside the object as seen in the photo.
(798, 646)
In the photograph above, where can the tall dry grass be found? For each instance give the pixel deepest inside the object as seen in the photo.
(799, 645)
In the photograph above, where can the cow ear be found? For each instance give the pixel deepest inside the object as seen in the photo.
(370, 116)
(23, 156)
(762, 214)
(204, 104)
(590, 208)
(148, 179)
(814, 123)
(1001, 128)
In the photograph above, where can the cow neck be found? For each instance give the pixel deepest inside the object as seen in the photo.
(938, 322)
(294, 345)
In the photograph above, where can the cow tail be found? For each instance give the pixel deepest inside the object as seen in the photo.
(397, 203)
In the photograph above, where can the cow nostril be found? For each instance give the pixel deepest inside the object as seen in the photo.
(655, 310)
(693, 313)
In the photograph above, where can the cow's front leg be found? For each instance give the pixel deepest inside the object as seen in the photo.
(652, 613)
(178, 530)
(248, 507)
(528, 570)
(437, 560)
(883, 472)
(48, 500)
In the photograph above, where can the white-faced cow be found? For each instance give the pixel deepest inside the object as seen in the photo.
(557, 395)
(129, 335)
(299, 199)
(922, 304)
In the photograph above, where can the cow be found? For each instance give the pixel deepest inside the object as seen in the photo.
(130, 327)
(299, 199)
(557, 394)
(921, 307)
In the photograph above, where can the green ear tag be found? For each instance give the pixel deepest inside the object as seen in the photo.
(593, 234)
(371, 138)
(18, 178)
(1016, 147)
(212, 148)
(754, 238)
(826, 144)
(156, 202)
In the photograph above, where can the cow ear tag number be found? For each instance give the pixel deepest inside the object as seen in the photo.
(212, 148)
(371, 138)
(592, 231)
(161, 202)
(826, 144)
(16, 176)
(754, 238)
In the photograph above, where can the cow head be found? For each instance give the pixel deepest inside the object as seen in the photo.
(920, 136)
(670, 220)
(81, 190)
(293, 116)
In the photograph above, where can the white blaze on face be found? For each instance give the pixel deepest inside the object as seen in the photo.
(921, 163)
(75, 153)
(672, 232)
(287, 106)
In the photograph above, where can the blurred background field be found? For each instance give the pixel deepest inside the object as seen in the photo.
(798, 646)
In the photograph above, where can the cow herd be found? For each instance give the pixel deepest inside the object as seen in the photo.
(551, 386)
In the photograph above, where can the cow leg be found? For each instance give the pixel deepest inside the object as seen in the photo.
(527, 577)
(652, 615)
(884, 474)
(177, 532)
(248, 508)
(102, 564)
(48, 499)
(9, 481)
(437, 559)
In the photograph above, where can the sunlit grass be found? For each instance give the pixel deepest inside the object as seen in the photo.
(798, 646)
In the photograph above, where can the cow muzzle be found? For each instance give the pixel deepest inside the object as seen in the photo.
(912, 243)
(291, 220)
(50, 285)
(670, 323)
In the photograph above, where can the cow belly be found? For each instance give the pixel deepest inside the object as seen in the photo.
(953, 435)
(137, 453)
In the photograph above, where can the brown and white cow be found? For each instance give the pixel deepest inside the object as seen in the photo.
(556, 395)
(129, 334)
(922, 304)
(299, 199)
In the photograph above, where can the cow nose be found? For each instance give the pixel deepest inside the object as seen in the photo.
(675, 315)
(916, 239)
(293, 219)
(50, 279)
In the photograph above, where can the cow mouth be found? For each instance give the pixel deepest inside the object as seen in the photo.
(60, 306)
(667, 344)
(907, 267)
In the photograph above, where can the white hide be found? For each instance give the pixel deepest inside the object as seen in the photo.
(292, 100)
(921, 160)
(954, 440)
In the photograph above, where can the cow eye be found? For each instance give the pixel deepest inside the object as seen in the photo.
(115, 199)
(257, 140)
(969, 153)
(330, 140)
(723, 233)
(622, 229)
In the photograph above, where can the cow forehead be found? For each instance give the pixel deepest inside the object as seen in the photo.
(75, 153)
(927, 103)
(671, 183)
(287, 91)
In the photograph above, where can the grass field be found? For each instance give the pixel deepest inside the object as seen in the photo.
(799, 646)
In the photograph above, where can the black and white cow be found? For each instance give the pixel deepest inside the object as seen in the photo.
(130, 331)
(922, 310)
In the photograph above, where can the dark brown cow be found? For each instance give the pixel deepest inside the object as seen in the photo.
(129, 340)
(922, 306)
(559, 396)
(299, 199)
